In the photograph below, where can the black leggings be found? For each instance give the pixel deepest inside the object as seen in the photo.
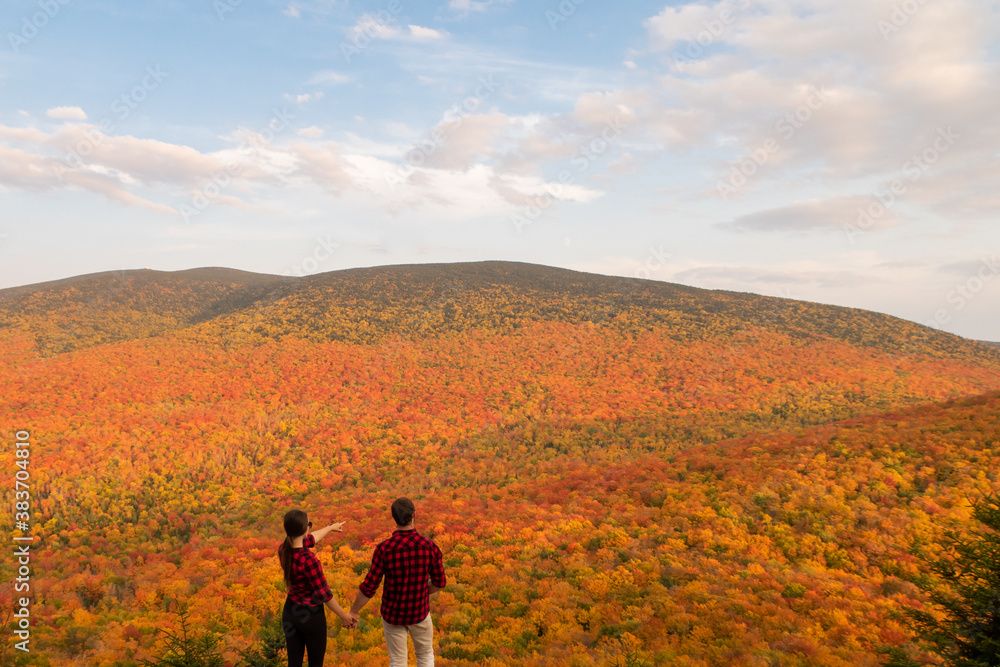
(305, 628)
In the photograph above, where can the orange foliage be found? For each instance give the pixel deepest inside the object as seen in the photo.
(666, 474)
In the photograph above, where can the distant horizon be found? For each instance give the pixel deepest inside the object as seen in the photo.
(838, 152)
(378, 266)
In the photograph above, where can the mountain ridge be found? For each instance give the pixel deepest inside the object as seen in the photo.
(599, 456)
(367, 304)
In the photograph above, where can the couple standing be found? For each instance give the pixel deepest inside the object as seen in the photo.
(412, 567)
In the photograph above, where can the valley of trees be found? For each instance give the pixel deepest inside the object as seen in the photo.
(612, 467)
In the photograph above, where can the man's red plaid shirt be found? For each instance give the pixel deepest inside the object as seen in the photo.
(309, 585)
(407, 560)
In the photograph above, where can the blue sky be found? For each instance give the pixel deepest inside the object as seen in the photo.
(839, 151)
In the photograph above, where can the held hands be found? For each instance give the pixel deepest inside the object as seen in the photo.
(350, 622)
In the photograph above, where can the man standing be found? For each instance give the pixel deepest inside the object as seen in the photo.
(407, 560)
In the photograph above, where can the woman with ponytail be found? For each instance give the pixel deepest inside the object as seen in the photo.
(303, 617)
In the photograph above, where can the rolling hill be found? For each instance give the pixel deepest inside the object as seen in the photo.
(369, 304)
(112, 306)
(612, 466)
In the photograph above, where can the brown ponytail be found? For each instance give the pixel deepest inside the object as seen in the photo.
(296, 523)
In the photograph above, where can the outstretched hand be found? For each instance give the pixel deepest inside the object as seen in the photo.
(339, 527)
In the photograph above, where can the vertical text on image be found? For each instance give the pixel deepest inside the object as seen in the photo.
(22, 516)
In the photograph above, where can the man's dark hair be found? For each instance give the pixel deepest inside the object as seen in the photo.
(402, 511)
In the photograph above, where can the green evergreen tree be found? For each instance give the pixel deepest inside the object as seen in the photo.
(969, 635)
(187, 650)
(269, 651)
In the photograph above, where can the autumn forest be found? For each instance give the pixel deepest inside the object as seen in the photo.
(612, 467)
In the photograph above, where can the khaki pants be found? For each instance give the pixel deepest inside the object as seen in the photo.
(423, 642)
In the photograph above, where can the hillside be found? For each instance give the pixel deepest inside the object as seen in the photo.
(367, 305)
(797, 547)
(603, 477)
(111, 306)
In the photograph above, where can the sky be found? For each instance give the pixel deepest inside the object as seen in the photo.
(837, 151)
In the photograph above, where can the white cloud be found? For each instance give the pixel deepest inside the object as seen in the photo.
(310, 132)
(683, 23)
(400, 129)
(304, 98)
(32, 171)
(66, 113)
(741, 80)
(751, 278)
(624, 164)
(421, 34)
(323, 165)
(884, 102)
(328, 77)
(466, 141)
(832, 214)
(466, 6)
(370, 26)
(523, 191)
(451, 181)
(129, 169)
(319, 7)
